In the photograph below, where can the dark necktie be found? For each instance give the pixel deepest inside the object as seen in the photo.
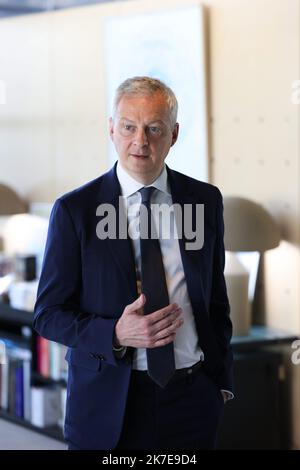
(161, 362)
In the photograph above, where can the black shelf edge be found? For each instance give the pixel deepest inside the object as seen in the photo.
(55, 432)
(39, 378)
(260, 336)
(20, 340)
(16, 316)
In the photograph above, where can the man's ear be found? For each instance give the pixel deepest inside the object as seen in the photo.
(111, 128)
(175, 133)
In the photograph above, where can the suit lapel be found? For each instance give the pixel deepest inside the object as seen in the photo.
(121, 249)
(191, 259)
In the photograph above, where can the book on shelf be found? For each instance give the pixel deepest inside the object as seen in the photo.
(21, 394)
(15, 380)
(51, 359)
(46, 405)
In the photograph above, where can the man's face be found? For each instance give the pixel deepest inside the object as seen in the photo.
(142, 134)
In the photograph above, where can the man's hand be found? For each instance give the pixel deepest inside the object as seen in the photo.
(147, 331)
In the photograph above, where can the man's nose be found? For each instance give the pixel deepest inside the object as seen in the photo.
(140, 137)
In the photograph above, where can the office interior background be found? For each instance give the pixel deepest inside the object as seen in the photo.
(243, 61)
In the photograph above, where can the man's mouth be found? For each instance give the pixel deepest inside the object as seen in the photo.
(140, 156)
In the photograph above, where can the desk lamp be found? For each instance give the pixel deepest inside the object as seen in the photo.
(10, 204)
(249, 231)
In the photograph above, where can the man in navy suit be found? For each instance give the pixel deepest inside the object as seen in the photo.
(91, 297)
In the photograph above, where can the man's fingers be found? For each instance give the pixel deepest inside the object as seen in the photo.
(162, 341)
(163, 313)
(156, 316)
(166, 326)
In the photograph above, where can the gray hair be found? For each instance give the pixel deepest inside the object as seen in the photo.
(136, 86)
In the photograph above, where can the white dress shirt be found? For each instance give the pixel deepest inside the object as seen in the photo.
(186, 348)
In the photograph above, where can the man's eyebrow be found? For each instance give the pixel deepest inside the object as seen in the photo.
(156, 121)
(126, 119)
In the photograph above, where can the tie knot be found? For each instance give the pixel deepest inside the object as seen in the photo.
(146, 194)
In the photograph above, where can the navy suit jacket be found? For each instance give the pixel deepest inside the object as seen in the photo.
(85, 285)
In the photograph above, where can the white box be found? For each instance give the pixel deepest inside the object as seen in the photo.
(45, 406)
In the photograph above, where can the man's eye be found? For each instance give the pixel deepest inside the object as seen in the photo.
(154, 130)
(128, 127)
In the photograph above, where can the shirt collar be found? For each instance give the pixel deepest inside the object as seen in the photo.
(130, 186)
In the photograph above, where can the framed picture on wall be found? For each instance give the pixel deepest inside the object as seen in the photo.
(168, 45)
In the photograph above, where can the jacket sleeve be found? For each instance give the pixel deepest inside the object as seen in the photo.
(57, 315)
(219, 304)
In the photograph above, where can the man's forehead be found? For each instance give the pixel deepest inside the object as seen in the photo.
(156, 100)
(153, 107)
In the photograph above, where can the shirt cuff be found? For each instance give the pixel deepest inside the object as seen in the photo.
(118, 349)
(120, 352)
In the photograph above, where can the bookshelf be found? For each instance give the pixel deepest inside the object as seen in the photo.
(29, 357)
